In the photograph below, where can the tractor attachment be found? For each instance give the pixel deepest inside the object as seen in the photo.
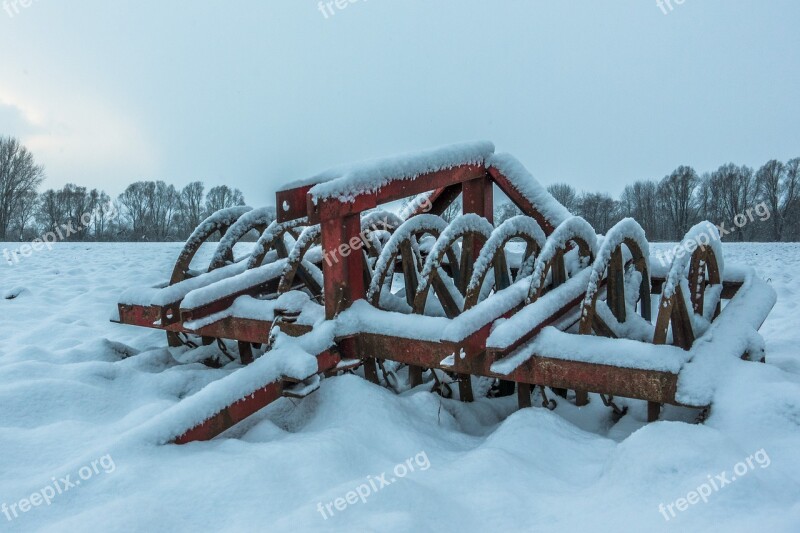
(342, 277)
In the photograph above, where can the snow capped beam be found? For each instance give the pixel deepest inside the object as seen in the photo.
(351, 189)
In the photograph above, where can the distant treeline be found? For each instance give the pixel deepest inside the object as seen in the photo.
(146, 210)
(753, 205)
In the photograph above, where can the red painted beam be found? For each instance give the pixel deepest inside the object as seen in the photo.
(342, 265)
(520, 201)
(651, 385)
(440, 200)
(528, 335)
(147, 316)
(291, 203)
(249, 405)
(236, 328)
(233, 414)
(333, 208)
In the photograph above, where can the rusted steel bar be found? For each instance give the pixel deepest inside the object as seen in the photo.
(291, 203)
(249, 405)
(233, 414)
(237, 328)
(321, 209)
(519, 200)
(652, 385)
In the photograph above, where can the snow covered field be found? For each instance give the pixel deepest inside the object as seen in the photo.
(70, 389)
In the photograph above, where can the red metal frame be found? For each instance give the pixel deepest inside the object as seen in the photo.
(344, 284)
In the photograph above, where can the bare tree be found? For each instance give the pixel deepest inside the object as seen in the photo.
(505, 211)
(163, 202)
(565, 194)
(191, 206)
(452, 210)
(676, 192)
(135, 202)
(52, 211)
(734, 190)
(19, 175)
(24, 211)
(778, 186)
(599, 210)
(102, 209)
(640, 201)
(222, 196)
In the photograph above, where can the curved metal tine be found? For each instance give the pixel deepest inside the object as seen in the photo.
(615, 288)
(682, 331)
(446, 299)
(308, 280)
(465, 264)
(410, 273)
(502, 276)
(645, 302)
(558, 270)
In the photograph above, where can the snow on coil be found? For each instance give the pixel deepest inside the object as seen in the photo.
(262, 216)
(221, 218)
(461, 225)
(626, 228)
(517, 225)
(570, 229)
(704, 233)
(418, 224)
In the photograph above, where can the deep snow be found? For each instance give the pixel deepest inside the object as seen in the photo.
(70, 389)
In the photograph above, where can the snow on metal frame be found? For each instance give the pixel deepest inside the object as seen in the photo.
(347, 182)
(460, 226)
(626, 228)
(520, 224)
(262, 216)
(524, 182)
(385, 261)
(573, 227)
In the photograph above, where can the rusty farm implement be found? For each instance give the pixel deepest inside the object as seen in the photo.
(338, 282)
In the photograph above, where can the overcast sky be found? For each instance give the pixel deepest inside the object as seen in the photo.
(254, 94)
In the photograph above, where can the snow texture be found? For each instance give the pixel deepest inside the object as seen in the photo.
(249, 307)
(524, 182)
(567, 231)
(626, 228)
(75, 387)
(345, 183)
(733, 334)
(233, 284)
(623, 353)
(262, 216)
(223, 217)
(703, 232)
(517, 225)
(459, 227)
(534, 314)
(274, 229)
(421, 223)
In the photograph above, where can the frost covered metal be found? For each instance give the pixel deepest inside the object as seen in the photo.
(339, 282)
